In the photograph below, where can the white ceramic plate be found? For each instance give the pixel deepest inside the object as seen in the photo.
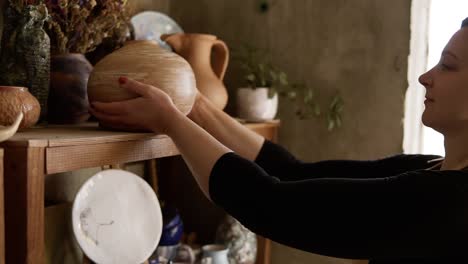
(150, 25)
(117, 218)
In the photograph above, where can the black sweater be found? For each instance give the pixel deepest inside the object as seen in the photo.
(391, 210)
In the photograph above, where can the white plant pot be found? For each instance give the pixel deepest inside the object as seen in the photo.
(253, 105)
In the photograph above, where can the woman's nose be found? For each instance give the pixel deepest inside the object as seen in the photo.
(426, 79)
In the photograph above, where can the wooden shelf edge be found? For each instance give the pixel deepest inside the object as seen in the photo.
(63, 159)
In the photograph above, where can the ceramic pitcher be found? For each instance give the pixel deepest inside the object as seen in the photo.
(209, 59)
(216, 253)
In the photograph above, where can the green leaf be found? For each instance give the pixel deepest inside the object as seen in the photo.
(317, 110)
(250, 79)
(309, 96)
(338, 121)
(336, 102)
(283, 78)
(292, 95)
(261, 67)
(271, 93)
(331, 125)
(333, 102)
(273, 76)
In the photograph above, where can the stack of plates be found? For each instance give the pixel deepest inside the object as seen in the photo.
(150, 25)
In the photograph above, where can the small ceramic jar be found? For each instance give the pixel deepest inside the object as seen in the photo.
(14, 100)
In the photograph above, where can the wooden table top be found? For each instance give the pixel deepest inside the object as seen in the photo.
(72, 147)
(87, 134)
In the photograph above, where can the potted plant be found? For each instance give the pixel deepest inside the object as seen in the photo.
(264, 83)
(258, 100)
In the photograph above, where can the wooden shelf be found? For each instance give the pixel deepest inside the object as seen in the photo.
(2, 215)
(70, 148)
(36, 152)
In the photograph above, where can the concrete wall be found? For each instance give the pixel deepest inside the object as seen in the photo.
(357, 47)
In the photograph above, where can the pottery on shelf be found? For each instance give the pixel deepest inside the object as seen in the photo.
(215, 253)
(147, 62)
(25, 52)
(254, 105)
(15, 100)
(209, 59)
(242, 243)
(173, 227)
(68, 96)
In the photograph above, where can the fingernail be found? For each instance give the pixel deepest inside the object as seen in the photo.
(123, 80)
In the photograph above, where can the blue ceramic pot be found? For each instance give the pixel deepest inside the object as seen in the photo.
(173, 227)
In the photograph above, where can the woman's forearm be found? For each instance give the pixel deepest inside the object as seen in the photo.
(227, 130)
(198, 148)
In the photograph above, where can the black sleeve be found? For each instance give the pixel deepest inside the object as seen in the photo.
(414, 214)
(278, 162)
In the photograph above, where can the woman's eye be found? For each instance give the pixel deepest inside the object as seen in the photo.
(445, 66)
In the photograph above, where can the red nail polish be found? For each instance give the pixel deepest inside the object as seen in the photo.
(123, 80)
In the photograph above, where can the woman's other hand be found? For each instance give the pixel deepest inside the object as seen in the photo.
(152, 110)
(198, 100)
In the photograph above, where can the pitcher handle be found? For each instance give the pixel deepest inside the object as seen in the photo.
(220, 58)
(186, 252)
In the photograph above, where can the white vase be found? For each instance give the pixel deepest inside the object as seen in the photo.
(253, 105)
(242, 243)
(217, 253)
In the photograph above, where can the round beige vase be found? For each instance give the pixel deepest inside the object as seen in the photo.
(147, 62)
(253, 105)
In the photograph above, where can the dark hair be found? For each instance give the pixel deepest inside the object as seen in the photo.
(465, 22)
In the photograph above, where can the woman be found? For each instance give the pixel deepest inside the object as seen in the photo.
(400, 209)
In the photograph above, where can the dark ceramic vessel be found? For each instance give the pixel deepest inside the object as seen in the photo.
(68, 97)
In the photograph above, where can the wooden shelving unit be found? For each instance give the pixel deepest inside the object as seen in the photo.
(32, 154)
(2, 213)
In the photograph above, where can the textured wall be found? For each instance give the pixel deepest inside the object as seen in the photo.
(358, 47)
(142, 5)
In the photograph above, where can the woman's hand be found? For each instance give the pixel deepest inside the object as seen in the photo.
(153, 110)
(196, 110)
(196, 105)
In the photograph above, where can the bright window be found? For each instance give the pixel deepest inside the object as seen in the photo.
(443, 20)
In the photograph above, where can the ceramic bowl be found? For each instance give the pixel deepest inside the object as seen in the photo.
(14, 100)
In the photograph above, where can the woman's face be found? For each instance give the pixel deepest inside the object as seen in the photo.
(447, 87)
